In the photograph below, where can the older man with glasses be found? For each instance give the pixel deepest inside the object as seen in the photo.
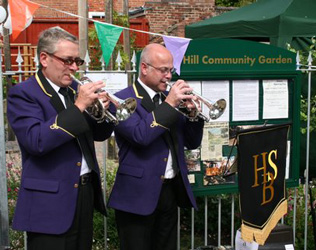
(60, 183)
(151, 180)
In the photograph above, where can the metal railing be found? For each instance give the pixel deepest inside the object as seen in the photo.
(309, 68)
(4, 217)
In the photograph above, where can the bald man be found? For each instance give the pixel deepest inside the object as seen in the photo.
(152, 180)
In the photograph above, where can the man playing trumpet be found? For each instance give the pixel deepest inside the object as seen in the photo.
(60, 185)
(151, 180)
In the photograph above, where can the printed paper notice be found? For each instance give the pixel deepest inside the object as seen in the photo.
(196, 86)
(214, 91)
(215, 135)
(245, 100)
(114, 81)
(191, 178)
(287, 168)
(275, 99)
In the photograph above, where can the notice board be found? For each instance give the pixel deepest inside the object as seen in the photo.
(261, 86)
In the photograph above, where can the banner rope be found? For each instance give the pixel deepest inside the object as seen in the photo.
(113, 25)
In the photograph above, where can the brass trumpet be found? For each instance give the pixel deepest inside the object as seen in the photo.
(216, 109)
(124, 108)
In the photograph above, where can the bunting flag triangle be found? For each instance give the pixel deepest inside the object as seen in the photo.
(108, 36)
(177, 46)
(20, 16)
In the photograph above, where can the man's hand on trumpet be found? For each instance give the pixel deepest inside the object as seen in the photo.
(180, 96)
(193, 106)
(89, 93)
(103, 96)
(179, 92)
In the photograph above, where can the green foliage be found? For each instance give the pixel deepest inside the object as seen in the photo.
(233, 3)
(212, 218)
(300, 218)
(304, 116)
(98, 231)
(119, 19)
(5, 85)
(98, 220)
(13, 164)
(304, 101)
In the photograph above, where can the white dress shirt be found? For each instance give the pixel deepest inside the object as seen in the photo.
(169, 173)
(84, 166)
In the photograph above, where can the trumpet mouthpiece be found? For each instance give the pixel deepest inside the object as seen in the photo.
(168, 84)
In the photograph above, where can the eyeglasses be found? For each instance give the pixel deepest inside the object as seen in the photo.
(69, 61)
(163, 70)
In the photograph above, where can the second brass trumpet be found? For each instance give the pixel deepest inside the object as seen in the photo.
(124, 108)
(216, 109)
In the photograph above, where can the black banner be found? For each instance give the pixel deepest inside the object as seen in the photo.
(261, 177)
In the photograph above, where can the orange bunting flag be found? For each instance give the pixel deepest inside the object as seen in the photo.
(21, 15)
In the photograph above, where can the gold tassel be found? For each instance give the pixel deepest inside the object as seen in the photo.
(250, 234)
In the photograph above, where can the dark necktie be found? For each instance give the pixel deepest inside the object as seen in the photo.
(82, 139)
(156, 100)
(168, 138)
(64, 92)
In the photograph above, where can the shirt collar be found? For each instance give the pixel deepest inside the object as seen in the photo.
(149, 91)
(54, 86)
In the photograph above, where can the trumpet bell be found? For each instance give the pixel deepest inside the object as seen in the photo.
(126, 109)
(217, 109)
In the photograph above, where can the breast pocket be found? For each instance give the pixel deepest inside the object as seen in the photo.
(132, 171)
(41, 185)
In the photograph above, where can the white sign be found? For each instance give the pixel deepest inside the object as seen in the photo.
(214, 91)
(243, 245)
(275, 99)
(245, 100)
(289, 247)
(114, 81)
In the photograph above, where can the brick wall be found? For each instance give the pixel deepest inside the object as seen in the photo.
(70, 6)
(96, 5)
(170, 17)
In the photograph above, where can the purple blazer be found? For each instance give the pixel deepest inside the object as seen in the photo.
(143, 153)
(51, 156)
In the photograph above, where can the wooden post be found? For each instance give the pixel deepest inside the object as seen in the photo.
(108, 18)
(83, 28)
(127, 45)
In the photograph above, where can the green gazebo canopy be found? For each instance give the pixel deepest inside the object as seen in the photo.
(277, 21)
